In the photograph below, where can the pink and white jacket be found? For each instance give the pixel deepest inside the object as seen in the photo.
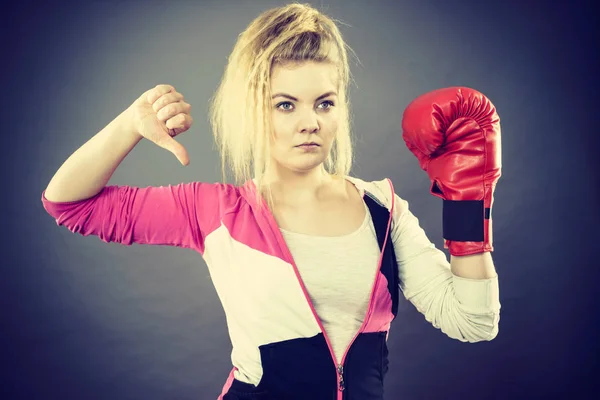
(274, 328)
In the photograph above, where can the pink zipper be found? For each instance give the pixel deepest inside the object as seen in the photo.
(288, 254)
(369, 311)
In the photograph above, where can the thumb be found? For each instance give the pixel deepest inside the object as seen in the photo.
(170, 144)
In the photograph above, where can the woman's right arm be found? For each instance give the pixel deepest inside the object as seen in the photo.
(168, 215)
(87, 171)
(158, 115)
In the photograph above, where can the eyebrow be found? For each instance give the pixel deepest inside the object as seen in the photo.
(295, 99)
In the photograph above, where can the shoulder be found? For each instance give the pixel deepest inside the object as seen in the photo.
(381, 190)
(217, 195)
(215, 188)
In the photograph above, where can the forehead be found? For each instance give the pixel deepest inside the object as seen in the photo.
(307, 78)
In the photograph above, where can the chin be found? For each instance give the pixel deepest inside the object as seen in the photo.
(306, 166)
(301, 163)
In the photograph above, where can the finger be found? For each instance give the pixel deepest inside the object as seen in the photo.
(167, 100)
(174, 110)
(158, 91)
(170, 144)
(180, 121)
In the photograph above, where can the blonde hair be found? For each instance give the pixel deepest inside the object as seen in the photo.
(240, 109)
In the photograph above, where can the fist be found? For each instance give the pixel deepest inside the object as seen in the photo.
(455, 135)
(159, 115)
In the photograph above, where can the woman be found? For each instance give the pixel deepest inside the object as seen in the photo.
(306, 260)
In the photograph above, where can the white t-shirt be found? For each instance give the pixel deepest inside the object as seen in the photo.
(338, 273)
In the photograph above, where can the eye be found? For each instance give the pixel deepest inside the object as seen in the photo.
(278, 106)
(329, 104)
(288, 106)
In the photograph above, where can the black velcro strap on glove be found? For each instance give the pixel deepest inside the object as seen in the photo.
(462, 220)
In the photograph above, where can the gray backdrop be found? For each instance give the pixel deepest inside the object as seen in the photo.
(81, 319)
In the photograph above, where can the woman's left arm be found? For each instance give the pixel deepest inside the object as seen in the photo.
(473, 266)
(455, 134)
(465, 308)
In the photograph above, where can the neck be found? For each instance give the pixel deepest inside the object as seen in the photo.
(290, 186)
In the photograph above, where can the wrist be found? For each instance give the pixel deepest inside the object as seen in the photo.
(127, 126)
(467, 227)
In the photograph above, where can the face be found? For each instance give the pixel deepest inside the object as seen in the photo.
(304, 109)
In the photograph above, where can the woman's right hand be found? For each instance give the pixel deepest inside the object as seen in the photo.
(159, 115)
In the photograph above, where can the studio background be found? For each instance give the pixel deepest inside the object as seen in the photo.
(82, 319)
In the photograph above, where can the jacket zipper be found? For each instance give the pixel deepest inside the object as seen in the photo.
(341, 385)
(339, 367)
(340, 371)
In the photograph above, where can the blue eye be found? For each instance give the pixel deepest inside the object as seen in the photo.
(329, 104)
(284, 109)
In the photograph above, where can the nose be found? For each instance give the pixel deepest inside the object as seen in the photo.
(308, 122)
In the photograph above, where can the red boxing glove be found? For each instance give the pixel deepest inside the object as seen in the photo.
(455, 134)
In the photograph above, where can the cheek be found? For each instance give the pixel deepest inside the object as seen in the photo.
(278, 125)
(282, 132)
(281, 121)
(331, 124)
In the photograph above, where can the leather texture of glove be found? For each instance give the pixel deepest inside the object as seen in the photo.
(455, 134)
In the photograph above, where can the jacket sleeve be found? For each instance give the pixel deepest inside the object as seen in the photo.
(464, 309)
(180, 215)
